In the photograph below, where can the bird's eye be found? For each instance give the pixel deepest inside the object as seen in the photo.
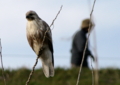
(30, 14)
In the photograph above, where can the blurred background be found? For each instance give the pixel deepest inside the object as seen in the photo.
(16, 51)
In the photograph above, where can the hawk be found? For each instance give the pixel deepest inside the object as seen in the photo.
(35, 30)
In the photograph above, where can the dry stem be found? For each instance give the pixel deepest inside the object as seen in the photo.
(85, 44)
(96, 61)
(2, 63)
(92, 73)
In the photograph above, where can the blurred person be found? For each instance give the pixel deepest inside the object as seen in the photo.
(78, 45)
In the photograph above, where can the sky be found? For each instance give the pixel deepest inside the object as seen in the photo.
(13, 29)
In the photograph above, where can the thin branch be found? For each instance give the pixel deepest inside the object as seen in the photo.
(92, 73)
(56, 16)
(85, 44)
(96, 75)
(96, 60)
(51, 25)
(2, 63)
(41, 49)
(31, 73)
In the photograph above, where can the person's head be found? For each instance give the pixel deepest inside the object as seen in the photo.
(85, 24)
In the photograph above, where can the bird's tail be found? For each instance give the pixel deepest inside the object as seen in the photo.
(48, 69)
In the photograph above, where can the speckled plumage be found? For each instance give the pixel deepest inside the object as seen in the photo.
(35, 30)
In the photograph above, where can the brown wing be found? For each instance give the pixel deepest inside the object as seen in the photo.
(30, 41)
(48, 39)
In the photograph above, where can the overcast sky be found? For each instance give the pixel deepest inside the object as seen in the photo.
(106, 16)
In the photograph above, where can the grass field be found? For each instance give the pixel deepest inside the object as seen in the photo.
(62, 77)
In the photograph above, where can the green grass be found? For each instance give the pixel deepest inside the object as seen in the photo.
(62, 77)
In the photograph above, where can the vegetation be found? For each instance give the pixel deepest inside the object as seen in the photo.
(62, 77)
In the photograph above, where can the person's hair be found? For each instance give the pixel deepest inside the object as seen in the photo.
(85, 23)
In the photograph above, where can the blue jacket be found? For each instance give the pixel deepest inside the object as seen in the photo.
(78, 46)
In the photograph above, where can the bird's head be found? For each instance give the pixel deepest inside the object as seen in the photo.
(31, 15)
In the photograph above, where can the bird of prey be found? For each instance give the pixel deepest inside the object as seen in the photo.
(35, 30)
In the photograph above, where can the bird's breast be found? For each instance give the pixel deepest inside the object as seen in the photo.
(33, 29)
